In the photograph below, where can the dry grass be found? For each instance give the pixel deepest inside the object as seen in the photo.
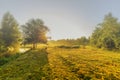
(86, 64)
(63, 64)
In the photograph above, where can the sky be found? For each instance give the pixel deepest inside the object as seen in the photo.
(65, 18)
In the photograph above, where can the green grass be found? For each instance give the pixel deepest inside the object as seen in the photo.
(29, 66)
(63, 64)
(7, 58)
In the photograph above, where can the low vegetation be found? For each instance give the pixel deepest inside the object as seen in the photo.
(63, 64)
(83, 64)
(6, 58)
(28, 66)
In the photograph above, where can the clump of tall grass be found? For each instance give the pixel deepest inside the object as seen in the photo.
(6, 57)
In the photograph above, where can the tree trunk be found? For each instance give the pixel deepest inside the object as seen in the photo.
(33, 46)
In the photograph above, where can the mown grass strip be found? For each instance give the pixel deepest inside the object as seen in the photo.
(28, 66)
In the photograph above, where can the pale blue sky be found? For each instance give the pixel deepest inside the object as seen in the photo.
(65, 18)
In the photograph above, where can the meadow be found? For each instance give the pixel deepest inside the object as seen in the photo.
(61, 63)
(84, 64)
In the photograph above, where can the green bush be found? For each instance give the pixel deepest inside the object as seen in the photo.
(7, 58)
(3, 61)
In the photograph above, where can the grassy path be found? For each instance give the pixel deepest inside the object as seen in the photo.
(28, 66)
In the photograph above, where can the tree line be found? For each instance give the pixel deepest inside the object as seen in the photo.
(12, 34)
(106, 35)
(79, 41)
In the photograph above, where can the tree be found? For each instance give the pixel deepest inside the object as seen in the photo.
(95, 37)
(35, 31)
(107, 34)
(10, 34)
(2, 47)
(82, 41)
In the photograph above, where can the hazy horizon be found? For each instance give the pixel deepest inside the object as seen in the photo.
(65, 18)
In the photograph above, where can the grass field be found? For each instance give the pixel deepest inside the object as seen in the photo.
(63, 64)
(84, 64)
(27, 66)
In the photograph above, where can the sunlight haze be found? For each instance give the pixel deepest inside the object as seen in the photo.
(65, 18)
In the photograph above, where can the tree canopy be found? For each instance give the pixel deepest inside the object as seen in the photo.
(106, 35)
(35, 31)
(10, 34)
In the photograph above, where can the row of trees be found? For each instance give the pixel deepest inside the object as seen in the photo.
(79, 41)
(107, 34)
(11, 37)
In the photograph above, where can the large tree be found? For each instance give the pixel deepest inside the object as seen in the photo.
(10, 33)
(107, 34)
(34, 31)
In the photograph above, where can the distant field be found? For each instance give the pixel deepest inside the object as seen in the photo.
(63, 64)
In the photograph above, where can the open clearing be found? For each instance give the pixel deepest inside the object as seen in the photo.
(63, 64)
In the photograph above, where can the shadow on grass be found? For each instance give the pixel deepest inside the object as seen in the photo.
(32, 65)
(43, 69)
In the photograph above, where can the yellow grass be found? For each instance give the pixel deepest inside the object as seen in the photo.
(86, 64)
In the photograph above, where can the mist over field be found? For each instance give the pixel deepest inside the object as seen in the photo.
(59, 40)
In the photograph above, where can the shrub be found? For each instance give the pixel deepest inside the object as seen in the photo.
(7, 58)
(3, 61)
